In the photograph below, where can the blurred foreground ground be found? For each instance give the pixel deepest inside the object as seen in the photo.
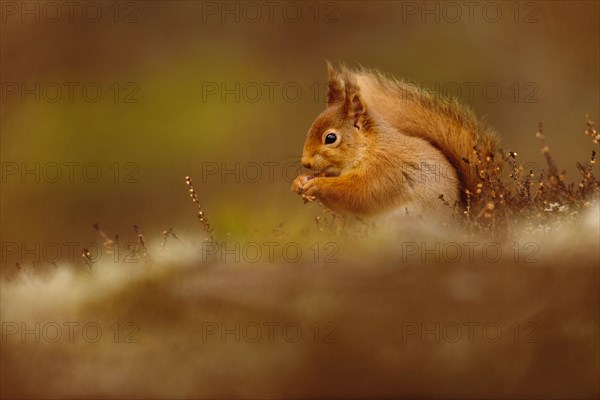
(377, 322)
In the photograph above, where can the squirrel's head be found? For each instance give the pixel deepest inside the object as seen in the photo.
(337, 139)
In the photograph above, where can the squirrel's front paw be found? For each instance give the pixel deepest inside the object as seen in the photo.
(304, 185)
(300, 181)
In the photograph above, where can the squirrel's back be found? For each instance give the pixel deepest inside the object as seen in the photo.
(445, 123)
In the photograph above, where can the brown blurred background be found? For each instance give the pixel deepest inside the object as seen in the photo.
(162, 113)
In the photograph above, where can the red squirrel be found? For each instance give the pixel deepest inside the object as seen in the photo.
(383, 146)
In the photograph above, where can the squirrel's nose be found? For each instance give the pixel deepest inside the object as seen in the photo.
(305, 163)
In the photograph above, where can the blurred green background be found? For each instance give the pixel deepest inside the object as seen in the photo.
(169, 57)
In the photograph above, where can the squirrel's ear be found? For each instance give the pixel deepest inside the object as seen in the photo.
(335, 90)
(355, 106)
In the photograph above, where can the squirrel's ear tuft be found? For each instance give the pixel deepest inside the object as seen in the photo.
(335, 90)
(354, 104)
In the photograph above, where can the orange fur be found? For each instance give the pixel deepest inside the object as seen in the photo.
(397, 148)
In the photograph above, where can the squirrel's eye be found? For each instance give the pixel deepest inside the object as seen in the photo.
(330, 138)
